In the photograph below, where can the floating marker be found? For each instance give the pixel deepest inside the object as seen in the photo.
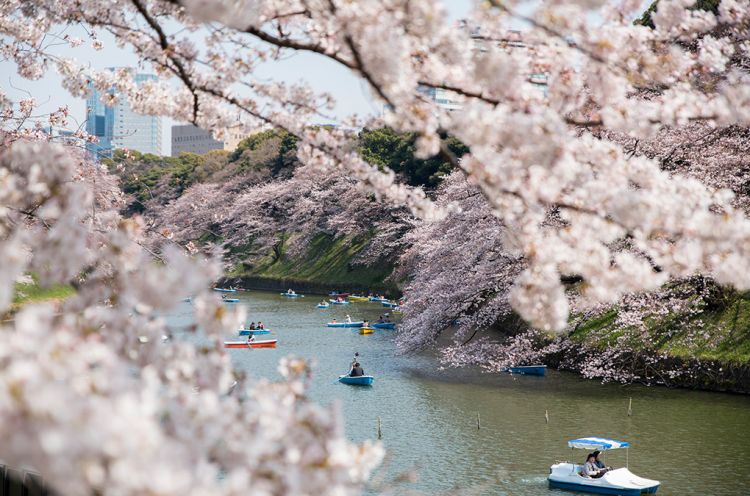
(546, 416)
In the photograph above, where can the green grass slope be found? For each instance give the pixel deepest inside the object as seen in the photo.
(327, 261)
(720, 333)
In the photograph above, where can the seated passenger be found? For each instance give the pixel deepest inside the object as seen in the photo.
(357, 370)
(590, 469)
(261, 326)
(600, 464)
(252, 326)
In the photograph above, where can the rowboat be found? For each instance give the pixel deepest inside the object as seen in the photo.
(362, 380)
(527, 370)
(323, 305)
(253, 332)
(268, 343)
(366, 330)
(384, 325)
(378, 298)
(225, 290)
(389, 304)
(230, 300)
(292, 295)
(620, 481)
(337, 302)
(357, 298)
(359, 323)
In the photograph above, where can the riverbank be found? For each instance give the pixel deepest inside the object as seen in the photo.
(328, 264)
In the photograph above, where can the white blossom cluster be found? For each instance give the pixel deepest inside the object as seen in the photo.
(94, 397)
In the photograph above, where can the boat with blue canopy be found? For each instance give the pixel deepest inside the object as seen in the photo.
(620, 481)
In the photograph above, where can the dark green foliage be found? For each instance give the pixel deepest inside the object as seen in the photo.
(385, 147)
(273, 149)
(645, 19)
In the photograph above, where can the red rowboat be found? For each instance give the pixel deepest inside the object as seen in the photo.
(268, 343)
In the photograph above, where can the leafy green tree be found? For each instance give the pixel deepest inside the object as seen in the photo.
(387, 148)
(645, 19)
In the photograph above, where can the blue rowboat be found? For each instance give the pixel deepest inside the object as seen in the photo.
(335, 302)
(346, 324)
(362, 380)
(254, 332)
(528, 370)
(384, 325)
(377, 298)
(230, 300)
(225, 290)
(389, 304)
(292, 295)
(320, 305)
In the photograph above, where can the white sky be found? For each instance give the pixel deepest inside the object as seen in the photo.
(350, 93)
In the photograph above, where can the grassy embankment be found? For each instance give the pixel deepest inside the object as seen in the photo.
(327, 262)
(33, 293)
(721, 334)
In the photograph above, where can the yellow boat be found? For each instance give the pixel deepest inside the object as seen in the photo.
(358, 298)
(366, 330)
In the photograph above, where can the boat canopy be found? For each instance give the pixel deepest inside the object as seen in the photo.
(597, 443)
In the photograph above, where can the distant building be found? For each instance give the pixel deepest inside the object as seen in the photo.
(233, 138)
(119, 126)
(511, 40)
(441, 97)
(191, 139)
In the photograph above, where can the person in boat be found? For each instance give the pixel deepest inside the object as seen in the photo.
(354, 360)
(380, 320)
(600, 464)
(252, 326)
(261, 326)
(590, 469)
(289, 291)
(348, 319)
(357, 370)
(333, 321)
(323, 303)
(366, 324)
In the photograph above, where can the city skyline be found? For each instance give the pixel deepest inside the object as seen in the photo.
(119, 127)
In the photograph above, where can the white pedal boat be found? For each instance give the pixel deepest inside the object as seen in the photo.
(620, 481)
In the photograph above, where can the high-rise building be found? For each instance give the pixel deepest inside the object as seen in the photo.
(119, 126)
(191, 139)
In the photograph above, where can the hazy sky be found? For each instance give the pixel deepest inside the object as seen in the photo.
(351, 94)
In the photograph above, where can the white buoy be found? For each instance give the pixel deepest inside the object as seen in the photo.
(546, 416)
